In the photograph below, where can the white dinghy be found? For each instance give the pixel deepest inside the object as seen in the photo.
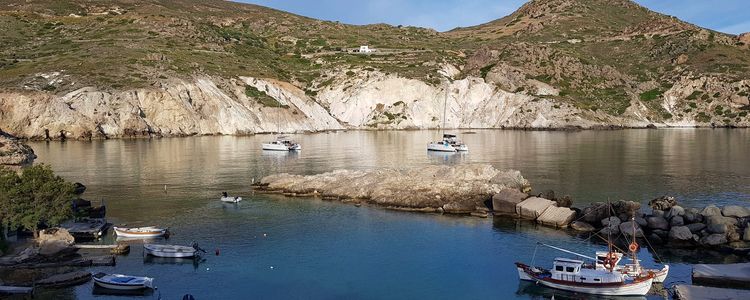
(174, 251)
(141, 232)
(122, 282)
(225, 198)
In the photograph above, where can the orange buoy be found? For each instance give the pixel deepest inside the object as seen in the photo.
(633, 247)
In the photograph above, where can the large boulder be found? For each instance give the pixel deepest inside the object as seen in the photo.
(641, 221)
(582, 226)
(627, 229)
(54, 240)
(721, 220)
(626, 208)
(594, 213)
(662, 203)
(533, 207)
(613, 230)
(611, 221)
(680, 235)
(696, 227)
(556, 216)
(674, 212)
(692, 215)
(657, 223)
(714, 239)
(13, 152)
(745, 235)
(735, 211)
(718, 228)
(506, 200)
(711, 210)
(564, 201)
(676, 221)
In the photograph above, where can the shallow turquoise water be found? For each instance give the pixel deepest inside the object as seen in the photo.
(326, 250)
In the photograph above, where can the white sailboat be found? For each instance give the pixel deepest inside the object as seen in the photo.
(450, 142)
(282, 143)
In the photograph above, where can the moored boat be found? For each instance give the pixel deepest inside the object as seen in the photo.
(225, 198)
(570, 275)
(282, 143)
(141, 232)
(174, 251)
(122, 282)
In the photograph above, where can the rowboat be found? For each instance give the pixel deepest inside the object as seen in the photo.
(174, 251)
(122, 282)
(140, 232)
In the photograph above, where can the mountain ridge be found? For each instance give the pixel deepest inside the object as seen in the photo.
(551, 64)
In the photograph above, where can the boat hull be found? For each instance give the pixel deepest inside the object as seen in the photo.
(275, 147)
(231, 199)
(157, 232)
(169, 251)
(139, 283)
(439, 147)
(637, 288)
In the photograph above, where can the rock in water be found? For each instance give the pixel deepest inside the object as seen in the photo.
(663, 203)
(13, 152)
(627, 229)
(533, 207)
(714, 239)
(674, 212)
(711, 210)
(556, 216)
(696, 227)
(505, 201)
(735, 211)
(680, 236)
(459, 189)
(582, 226)
(54, 240)
(657, 223)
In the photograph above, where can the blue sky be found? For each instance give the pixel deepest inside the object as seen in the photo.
(730, 16)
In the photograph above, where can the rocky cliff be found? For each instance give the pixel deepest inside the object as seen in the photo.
(119, 69)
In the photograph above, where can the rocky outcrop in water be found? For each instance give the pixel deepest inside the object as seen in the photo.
(13, 152)
(458, 190)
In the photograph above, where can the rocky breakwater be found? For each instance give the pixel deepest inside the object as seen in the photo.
(14, 153)
(465, 189)
(724, 228)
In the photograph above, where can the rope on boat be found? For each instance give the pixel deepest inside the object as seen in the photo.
(533, 257)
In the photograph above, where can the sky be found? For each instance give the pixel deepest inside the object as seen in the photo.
(729, 16)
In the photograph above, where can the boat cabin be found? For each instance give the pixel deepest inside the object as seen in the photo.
(572, 270)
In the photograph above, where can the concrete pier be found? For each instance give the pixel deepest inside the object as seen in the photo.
(691, 292)
(722, 275)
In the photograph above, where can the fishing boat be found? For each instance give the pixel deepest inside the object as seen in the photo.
(122, 282)
(575, 276)
(450, 142)
(174, 251)
(225, 198)
(141, 232)
(282, 143)
(633, 269)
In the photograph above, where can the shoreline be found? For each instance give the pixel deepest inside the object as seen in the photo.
(461, 131)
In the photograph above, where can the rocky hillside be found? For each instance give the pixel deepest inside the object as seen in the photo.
(90, 69)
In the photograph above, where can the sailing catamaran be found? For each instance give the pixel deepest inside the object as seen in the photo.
(450, 142)
(282, 143)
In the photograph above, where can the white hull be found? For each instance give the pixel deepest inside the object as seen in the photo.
(231, 199)
(633, 289)
(440, 147)
(137, 283)
(171, 251)
(660, 276)
(275, 147)
(461, 148)
(146, 232)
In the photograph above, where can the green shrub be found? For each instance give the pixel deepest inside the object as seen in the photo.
(650, 95)
(694, 95)
(486, 69)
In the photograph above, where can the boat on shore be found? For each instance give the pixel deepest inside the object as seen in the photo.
(141, 232)
(122, 282)
(172, 251)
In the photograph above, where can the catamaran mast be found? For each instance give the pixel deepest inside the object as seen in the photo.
(445, 103)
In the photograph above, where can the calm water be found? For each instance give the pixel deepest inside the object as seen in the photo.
(280, 248)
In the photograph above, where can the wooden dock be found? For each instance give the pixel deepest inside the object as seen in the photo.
(723, 275)
(691, 292)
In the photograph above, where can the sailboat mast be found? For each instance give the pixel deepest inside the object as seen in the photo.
(445, 103)
(278, 112)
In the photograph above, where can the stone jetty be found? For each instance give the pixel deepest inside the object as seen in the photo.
(737, 275)
(690, 292)
(464, 189)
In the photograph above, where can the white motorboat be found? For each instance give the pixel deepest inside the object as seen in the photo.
(441, 146)
(450, 142)
(122, 282)
(141, 232)
(282, 143)
(225, 198)
(174, 251)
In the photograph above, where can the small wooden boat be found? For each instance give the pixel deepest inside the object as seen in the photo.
(141, 232)
(225, 198)
(122, 282)
(174, 251)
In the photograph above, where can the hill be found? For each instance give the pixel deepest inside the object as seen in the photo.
(85, 68)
